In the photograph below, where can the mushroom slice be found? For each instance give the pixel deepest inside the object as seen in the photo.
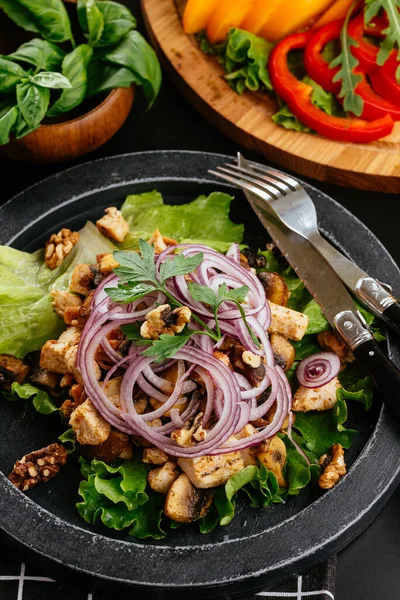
(185, 503)
(275, 288)
(284, 352)
(273, 456)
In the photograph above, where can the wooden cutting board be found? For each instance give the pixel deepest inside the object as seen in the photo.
(246, 119)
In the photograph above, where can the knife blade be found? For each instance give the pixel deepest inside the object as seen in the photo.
(336, 303)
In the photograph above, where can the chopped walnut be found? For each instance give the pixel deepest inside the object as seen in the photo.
(11, 369)
(253, 360)
(58, 246)
(38, 466)
(334, 467)
(82, 280)
(113, 225)
(223, 358)
(163, 320)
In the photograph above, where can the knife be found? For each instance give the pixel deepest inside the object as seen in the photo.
(335, 301)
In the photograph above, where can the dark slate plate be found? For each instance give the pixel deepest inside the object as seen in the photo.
(259, 548)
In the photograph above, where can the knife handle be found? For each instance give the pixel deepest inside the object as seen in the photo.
(391, 316)
(384, 374)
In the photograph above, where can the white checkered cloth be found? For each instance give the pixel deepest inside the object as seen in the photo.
(19, 581)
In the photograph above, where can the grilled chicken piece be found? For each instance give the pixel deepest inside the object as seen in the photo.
(322, 398)
(249, 455)
(11, 370)
(210, 471)
(52, 357)
(289, 323)
(332, 342)
(161, 479)
(284, 353)
(63, 300)
(185, 503)
(275, 288)
(88, 425)
(154, 456)
(107, 263)
(82, 280)
(113, 225)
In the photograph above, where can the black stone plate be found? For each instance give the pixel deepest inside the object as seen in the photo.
(260, 547)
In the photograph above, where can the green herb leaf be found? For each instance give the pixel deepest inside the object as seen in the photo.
(74, 69)
(132, 333)
(43, 55)
(54, 81)
(361, 391)
(392, 32)
(103, 77)
(40, 399)
(316, 320)
(10, 74)
(47, 17)
(202, 293)
(33, 102)
(352, 102)
(118, 21)
(234, 295)
(147, 518)
(297, 470)
(8, 118)
(91, 20)
(126, 293)
(134, 53)
(137, 267)
(247, 56)
(179, 265)
(168, 345)
(68, 440)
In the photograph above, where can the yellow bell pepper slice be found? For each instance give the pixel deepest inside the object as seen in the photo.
(291, 16)
(229, 13)
(198, 14)
(337, 11)
(258, 15)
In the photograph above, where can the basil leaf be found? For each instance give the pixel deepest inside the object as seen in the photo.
(41, 54)
(8, 118)
(103, 77)
(19, 14)
(91, 20)
(74, 69)
(137, 55)
(33, 102)
(21, 127)
(118, 21)
(54, 81)
(47, 17)
(10, 75)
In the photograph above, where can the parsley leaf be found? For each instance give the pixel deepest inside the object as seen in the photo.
(202, 293)
(168, 345)
(126, 294)
(180, 265)
(137, 267)
(132, 333)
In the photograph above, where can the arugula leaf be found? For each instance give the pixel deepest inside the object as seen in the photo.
(50, 80)
(134, 53)
(33, 101)
(352, 102)
(8, 118)
(361, 391)
(391, 33)
(74, 69)
(40, 399)
(102, 77)
(91, 20)
(47, 17)
(43, 55)
(167, 345)
(10, 75)
(126, 294)
(322, 429)
(305, 347)
(180, 265)
(317, 322)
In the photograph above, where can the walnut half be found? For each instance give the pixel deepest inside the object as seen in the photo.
(334, 467)
(164, 320)
(58, 246)
(38, 466)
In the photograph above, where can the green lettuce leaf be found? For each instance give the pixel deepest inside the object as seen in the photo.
(68, 439)
(205, 220)
(246, 59)
(298, 473)
(41, 400)
(26, 313)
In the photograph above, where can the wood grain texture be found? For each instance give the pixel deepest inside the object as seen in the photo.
(246, 119)
(71, 139)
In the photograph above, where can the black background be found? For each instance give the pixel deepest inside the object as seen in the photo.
(369, 568)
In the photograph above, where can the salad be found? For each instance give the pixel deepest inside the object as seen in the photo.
(187, 368)
(332, 66)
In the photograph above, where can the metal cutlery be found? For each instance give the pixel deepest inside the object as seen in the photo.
(289, 202)
(320, 279)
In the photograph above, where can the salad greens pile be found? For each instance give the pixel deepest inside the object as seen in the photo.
(118, 495)
(45, 79)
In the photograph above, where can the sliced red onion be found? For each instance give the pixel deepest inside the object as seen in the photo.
(318, 369)
(295, 444)
(234, 252)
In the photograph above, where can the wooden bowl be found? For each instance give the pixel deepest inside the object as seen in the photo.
(72, 139)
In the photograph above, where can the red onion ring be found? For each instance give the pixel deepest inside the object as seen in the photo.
(318, 369)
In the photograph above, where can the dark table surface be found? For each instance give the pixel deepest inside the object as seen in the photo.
(369, 568)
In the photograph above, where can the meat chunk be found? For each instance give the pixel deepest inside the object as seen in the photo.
(78, 397)
(113, 225)
(81, 280)
(185, 503)
(88, 425)
(11, 370)
(63, 300)
(249, 455)
(211, 471)
(332, 342)
(78, 315)
(154, 456)
(38, 466)
(289, 323)
(52, 356)
(322, 398)
(160, 242)
(117, 445)
(161, 479)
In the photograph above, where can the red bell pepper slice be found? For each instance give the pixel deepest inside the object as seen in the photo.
(297, 95)
(375, 106)
(384, 80)
(316, 66)
(366, 52)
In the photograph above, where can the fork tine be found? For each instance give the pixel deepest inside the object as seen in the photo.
(282, 177)
(282, 187)
(272, 191)
(238, 182)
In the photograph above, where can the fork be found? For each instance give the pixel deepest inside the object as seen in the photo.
(287, 202)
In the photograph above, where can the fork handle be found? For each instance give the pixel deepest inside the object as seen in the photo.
(384, 374)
